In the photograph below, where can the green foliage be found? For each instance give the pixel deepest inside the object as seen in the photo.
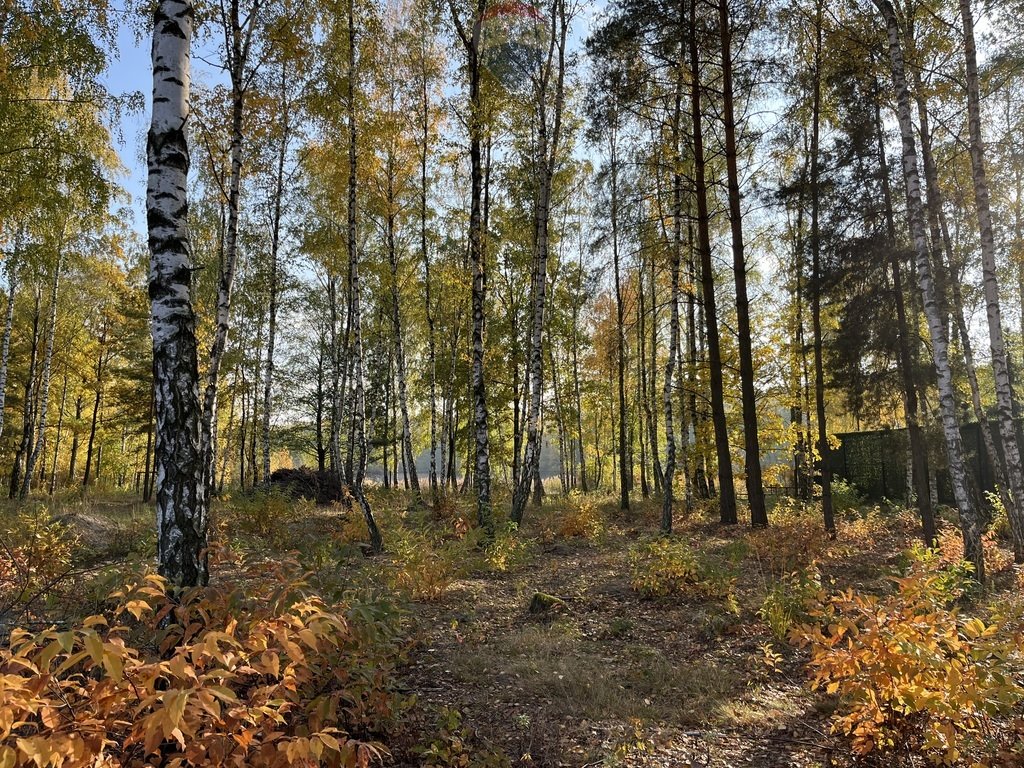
(845, 497)
(999, 520)
(506, 552)
(36, 549)
(580, 517)
(666, 567)
(951, 578)
(455, 746)
(420, 570)
(791, 600)
(267, 515)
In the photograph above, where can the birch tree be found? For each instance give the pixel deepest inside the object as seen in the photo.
(990, 283)
(970, 523)
(180, 497)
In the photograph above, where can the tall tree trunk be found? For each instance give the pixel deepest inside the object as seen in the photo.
(409, 457)
(275, 240)
(643, 395)
(824, 449)
(471, 40)
(918, 446)
(727, 491)
(237, 44)
(44, 397)
(548, 120)
(652, 421)
(5, 345)
(970, 523)
(355, 310)
(27, 410)
(752, 449)
(620, 352)
(668, 498)
(56, 443)
(97, 402)
(181, 502)
(990, 282)
(425, 255)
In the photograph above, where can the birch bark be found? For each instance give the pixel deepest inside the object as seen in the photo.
(970, 523)
(180, 499)
(990, 283)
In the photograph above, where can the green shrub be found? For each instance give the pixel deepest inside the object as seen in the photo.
(666, 566)
(267, 515)
(845, 497)
(37, 548)
(506, 552)
(790, 601)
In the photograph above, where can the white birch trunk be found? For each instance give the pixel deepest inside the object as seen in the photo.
(990, 282)
(5, 344)
(180, 500)
(275, 241)
(966, 503)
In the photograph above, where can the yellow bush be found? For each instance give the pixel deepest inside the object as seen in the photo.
(37, 548)
(911, 672)
(268, 515)
(580, 518)
(795, 538)
(666, 566)
(790, 600)
(419, 570)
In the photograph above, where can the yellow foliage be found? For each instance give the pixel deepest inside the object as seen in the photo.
(666, 566)
(580, 518)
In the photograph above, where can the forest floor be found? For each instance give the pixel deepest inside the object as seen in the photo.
(602, 674)
(610, 677)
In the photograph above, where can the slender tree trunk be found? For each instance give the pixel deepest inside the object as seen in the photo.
(355, 310)
(824, 449)
(409, 458)
(425, 254)
(652, 397)
(471, 40)
(727, 491)
(918, 446)
(275, 239)
(668, 499)
(44, 398)
(643, 394)
(548, 120)
(5, 344)
(966, 503)
(237, 43)
(27, 410)
(620, 360)
(990, 283)
(97, 402)
(56, 443)
(181, 502)
(752, 449)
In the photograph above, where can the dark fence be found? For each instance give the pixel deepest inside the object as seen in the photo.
(877, 462)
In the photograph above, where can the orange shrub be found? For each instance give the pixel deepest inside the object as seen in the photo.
(291, 683)
(795, 539)
(912, 673)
